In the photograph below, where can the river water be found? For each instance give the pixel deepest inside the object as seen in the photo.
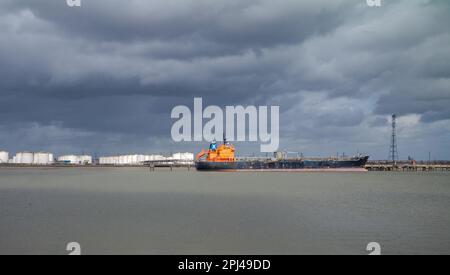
(134, 211)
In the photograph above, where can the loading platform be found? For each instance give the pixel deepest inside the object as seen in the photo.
(408, 166)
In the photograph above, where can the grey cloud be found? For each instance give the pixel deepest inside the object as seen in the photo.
(245, 23)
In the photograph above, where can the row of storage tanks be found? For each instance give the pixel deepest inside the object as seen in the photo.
(41, 158)
(30, 158)
(139, 159)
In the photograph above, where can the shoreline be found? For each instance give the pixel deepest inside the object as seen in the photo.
(71, 166)
(164, 168)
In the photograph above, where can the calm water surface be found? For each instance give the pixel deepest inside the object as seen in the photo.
(134, 211)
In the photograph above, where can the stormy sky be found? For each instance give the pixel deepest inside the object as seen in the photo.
(103, 78)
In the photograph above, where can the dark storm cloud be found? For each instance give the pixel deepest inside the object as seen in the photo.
(110, 72)
(233, 22)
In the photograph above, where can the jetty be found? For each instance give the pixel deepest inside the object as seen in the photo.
(152, 164)
(408, 166)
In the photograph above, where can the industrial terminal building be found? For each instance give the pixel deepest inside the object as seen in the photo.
(76, 160)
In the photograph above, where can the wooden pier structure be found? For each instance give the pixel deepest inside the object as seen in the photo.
(408, 166)
(153, 164)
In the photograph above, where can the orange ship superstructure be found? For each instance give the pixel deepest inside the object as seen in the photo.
(223, 153)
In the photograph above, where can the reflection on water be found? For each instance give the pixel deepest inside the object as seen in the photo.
(134, 211)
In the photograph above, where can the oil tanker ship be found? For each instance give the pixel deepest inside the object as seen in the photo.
(222, 158)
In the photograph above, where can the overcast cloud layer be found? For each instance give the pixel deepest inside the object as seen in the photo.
(103, 78)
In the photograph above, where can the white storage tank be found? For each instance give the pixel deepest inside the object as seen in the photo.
(46, 158)
(134, 159)
(51, 158)
(25, 158)
(41, 158)
(37, 158)
(140, 159)
(108, 160)
(122, 160)
(183, 156)
(18, 158)
(4, 157)
(85, 159)
(128, 159)
(105, 160)
(102, 160)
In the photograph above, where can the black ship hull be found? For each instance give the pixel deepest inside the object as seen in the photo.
(351, 164)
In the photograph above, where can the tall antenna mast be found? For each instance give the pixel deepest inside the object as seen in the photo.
(393, 152)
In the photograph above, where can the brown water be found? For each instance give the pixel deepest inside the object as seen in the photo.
(134, 211)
